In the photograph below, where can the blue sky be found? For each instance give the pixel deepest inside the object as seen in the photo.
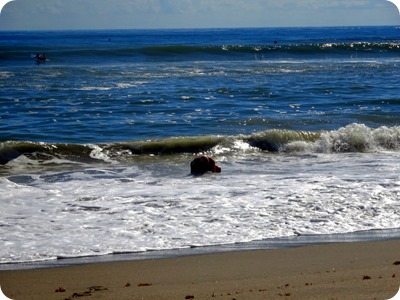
(121, 14)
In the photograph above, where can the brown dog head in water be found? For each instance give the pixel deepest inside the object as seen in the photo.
(203, 164)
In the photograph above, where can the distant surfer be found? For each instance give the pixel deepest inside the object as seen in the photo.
(40, 58)
(203, 164)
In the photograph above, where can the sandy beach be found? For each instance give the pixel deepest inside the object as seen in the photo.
(365, 270)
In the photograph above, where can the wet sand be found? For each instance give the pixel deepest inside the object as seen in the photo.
(363, 270)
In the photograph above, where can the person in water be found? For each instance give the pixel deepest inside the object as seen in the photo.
(40, 57)
(203, 164)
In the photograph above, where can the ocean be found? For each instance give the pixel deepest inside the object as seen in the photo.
(96, 142)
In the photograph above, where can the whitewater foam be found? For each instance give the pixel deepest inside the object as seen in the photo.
(155, 205)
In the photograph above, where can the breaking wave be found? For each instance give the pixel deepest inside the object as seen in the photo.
(202, 52)
(352, 138)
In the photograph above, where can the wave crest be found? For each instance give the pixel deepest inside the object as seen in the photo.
(352, 138)
(205, 52)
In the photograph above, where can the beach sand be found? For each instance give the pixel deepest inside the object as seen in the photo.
(364, 270)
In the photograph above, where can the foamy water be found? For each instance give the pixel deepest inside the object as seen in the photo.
(157, 205)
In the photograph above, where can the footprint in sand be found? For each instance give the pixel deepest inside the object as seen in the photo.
(88, 292)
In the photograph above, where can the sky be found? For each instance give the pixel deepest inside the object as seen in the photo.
(141, 14)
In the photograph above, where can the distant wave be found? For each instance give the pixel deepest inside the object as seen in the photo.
(352, 138)
(201, 52)
(291, 49)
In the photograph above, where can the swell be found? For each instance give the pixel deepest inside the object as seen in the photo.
(352, 138)
(201, 51)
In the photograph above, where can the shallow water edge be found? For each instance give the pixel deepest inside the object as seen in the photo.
(266, 244)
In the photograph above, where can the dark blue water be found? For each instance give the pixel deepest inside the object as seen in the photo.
(113, 86)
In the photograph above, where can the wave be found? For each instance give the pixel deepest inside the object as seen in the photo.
(201, 52)
(352, 138)
(272, 50)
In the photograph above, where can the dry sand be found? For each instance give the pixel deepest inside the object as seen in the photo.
(366, 270)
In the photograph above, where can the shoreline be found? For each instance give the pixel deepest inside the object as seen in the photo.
(356, 270)
(266, 244)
